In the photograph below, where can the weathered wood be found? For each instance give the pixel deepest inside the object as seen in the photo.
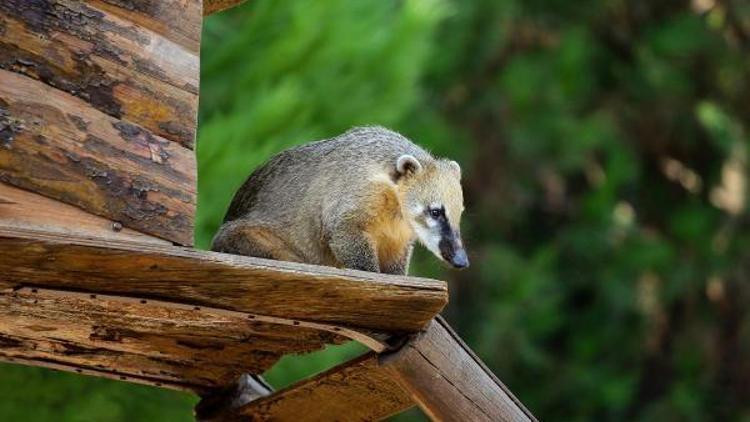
(57, 145)
(179, 21)
(22, 209)
(448, 382)
(105, 55)
(174, 345)
(433, 369)
(213, 6)
(310, 293)
(358, 390)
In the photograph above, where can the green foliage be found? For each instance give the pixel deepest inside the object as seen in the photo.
(604, 148)
(278, 75)
(35, 394)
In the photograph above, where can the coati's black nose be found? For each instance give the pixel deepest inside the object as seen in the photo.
(460, 260)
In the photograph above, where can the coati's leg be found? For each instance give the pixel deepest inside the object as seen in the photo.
(243, 238)
(400, 266)
(354, 249)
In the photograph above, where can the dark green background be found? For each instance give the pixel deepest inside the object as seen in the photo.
(604, 147)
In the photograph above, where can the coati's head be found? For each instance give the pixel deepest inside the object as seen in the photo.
(432, 202)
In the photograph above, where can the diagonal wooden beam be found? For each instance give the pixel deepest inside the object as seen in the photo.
(358, 390)
(434, 369)
(448, 382)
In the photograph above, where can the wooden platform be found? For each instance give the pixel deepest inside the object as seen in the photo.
(161, 314)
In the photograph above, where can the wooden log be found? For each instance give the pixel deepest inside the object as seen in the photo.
(213, 6)
(22, 209)
(170, 344)
(448, 382)
(358, 390)
(357, 299)
(180, 21)
(93, 50)
(55, 144)
(433, 369)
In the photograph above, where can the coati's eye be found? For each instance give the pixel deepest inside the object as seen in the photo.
(436, 212)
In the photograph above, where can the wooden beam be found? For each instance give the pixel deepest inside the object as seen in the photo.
(433, 369)
(20, 209)
(213, 6)
(142, 340)
(179, 21)
(105, 54)
(360, 300)
(57, 145)
(358, 390)
(448, 382)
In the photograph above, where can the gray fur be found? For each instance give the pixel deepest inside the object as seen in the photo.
(309, 201)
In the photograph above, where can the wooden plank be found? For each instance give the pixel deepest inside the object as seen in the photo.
(362, 300)
(27, 210)
(448, 382)
(358, 390)
(115, 64)
(213, 6)
(57, 145)
(175, 345)
(177, 20)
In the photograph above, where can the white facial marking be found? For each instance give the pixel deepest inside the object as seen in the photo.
(429, 240)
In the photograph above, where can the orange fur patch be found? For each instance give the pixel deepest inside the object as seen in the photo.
(387, 226)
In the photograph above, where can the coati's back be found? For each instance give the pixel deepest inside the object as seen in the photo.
(306, 176)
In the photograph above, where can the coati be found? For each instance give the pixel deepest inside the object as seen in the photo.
(359, 200)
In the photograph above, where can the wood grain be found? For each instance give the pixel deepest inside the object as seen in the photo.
(358, 390)
(58, 146)
(27, 210)
(213, 6)
(180, 21)
(196, 348)
(448, 382)
(368, 301)
(105, 54)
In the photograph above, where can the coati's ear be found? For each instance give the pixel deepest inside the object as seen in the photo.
(455, 168)
(406, 165)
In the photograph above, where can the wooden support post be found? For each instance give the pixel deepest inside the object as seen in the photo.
(434, 370)
(448, 382)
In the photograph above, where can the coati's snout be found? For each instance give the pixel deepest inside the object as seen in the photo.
(453, 252)
(435, 203)
(450, 248)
